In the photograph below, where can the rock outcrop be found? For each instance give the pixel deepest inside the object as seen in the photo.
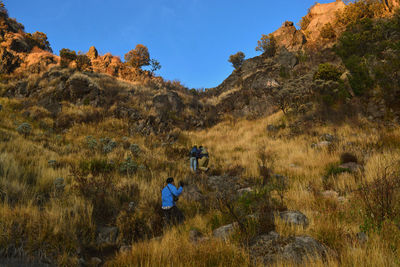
(289, 37)
(319, 16)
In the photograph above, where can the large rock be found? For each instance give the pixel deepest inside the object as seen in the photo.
(269, 248)
(80, 85)
(294, 218)
(320, 15)
(169, 102)
(351, 166)
(286, 58)
(289, 37)
(92, 53)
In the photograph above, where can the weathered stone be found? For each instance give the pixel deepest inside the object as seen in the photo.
(167, 103)
(294, 218)
(92, 53)
(270, 248)
(225, 231)
(351, 166)
(286, 58)
(289, 37)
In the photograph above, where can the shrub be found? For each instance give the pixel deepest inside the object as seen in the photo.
(24, 129)
(135, 149)
(138, 57)
(108, 145)
(83, 62)
(347, 157)
(132, 228)
(38, 39)
(67, 56)
(327, 32)
(91, 142)
(267, 44)
(380, 196)
(128, 167)
(155, 65)
(327, 72)
(237, 59)
(96, 166)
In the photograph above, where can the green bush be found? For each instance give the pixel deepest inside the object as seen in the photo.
(237, 59)
(328, 32)
(267, 44)
(38, 39)
(327, 72)
(67, 56)
(24, 129)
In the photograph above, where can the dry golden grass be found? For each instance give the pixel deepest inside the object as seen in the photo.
(26, 180)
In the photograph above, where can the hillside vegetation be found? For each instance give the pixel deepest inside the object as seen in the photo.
(304, 147)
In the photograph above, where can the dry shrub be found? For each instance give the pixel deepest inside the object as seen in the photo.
(347, 157)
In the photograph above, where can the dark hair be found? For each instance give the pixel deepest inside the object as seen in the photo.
(170, 180)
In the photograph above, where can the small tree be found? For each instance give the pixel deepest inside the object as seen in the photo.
(83, 62)
(237, 59)
(67, 56)
(155, 65)
(267, 44)
(138, 57)
(3, 10)
(39, 39)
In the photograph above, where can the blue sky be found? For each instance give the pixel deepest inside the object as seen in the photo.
(192, 39)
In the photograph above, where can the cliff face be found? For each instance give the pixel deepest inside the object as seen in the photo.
(319, 16)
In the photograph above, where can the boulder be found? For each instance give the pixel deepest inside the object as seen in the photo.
(351, 166)
(269, 248)
(225, 231)
(169, 102)
(286, 58)
(80, 85)
(125, 248)
(327, 137)
(320, 15)
(294, 218)
(362, 237)
(94, 261)
(289, 37)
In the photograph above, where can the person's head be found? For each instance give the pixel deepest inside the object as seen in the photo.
(170, 180)
(200, 147)
(195, 146)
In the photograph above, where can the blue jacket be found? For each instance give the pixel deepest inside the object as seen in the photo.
(166, 196)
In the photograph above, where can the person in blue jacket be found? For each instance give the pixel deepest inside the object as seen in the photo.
(169, 196)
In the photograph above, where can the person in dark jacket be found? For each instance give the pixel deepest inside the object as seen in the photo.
(172, 215)
(194, 153)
